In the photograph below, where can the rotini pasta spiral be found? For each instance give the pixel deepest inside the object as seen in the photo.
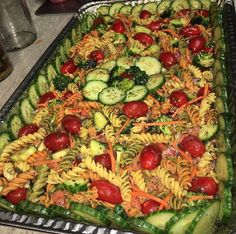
(148, 138)
(138, 180)
(40, 115)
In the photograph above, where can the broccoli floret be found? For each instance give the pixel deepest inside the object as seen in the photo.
(165, 129)
(61, 82)
(200, 20)
(124, 85)
(88, 64)
(115, 74)
(102, 28)
(74, 187)
(166, 14)
(203, 60)
(140, 77)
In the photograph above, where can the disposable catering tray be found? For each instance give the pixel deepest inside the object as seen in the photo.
(32, 222)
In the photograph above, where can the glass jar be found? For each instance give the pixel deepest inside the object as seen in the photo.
(5, 64)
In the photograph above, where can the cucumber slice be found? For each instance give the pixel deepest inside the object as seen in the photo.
(221, 106)
(33, 95)
(217, 34)
(125, 61)
(137, 9)
(208, 131)
(178, 5)
(149, 64)
(107, 19)
(100, 121)
(89, 214)
(226, 123)
(223, 142)
(155, 50)
(51, 72)
(115, 8)
(73, 36)
(14, 125)
(117, 221)
(24, 154)
(109, 65)
(195, 4)
(60, 154)
(204, 222)
(98, 74)
(92, 89)
(26, 111)
(42, 84)
(67, 46)
(63, 55)
(4, 140)
(163, 6)
(220, 79)
(224, 169)
(96, 147)
(89, 18)
(160, 218)
(206, 4)
(179, 223)
(151, 7)
(57, 65)
(142, 29)
(111, 96)
(138, 92)
(102, 10)
(155, 81)
(126, 10)
(6, 205)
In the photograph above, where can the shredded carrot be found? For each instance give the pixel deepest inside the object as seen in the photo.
(123, 127)
(186, 104)
(160, 123)
(45, 104)
(193, 172)
(172, 32)
(48, 162)
(183, 154)
(196, 198)
(188, 57)
(111, 153)
(206, 89)
(154, 99)
(55, 93)
(72, 143)
(166, 199)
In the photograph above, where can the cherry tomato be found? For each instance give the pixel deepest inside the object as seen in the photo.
(155, 25)
(68, 67)
(135, 109)
(149, 206)
(188, 31)
(193, 145)
(46, 97)
(168, 59)
(28, 129)
(98, 21)
(144, 38)
(205, 185)
(204, 13)
(67, 94)
(56, 141)
(201, 91)
(16, 196)
(71, 124)
(178, 98)
(144, 14)
(118, 26)
(150, 157)
(58, 198)
(107, 192)
(209, 50)
(105, 160)
(127, 75)
(184, 12)
(197, 44)
(96, 55)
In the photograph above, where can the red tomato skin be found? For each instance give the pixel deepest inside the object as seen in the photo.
(184, 12)
(107, 192)
(197, 44)
(67, 94)
(150, 157)
(149, 206)
(178, 98)
(201, 91)
(168, 59)
(144, 38)
(16, 196)
(135, 109)
(97, 22)
(56, 141)
(28, 129)
(155, 25)
(144, 14)
(204, 13)
(189, 31)
(209, 50)
(104, 160)
(46, 97)
(96, 55)
(118, 26)
(71, 124)
(68, 67)
(205, 185)
(193, 145)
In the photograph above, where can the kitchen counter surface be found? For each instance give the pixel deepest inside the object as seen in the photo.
(48, 27)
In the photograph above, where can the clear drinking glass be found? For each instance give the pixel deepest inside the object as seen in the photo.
(17, 30)
(5, 64)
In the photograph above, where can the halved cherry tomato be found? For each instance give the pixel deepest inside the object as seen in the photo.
(28, 129)
(57, 141)
(135, 109)
(144, 14)
(168, 59)
(193, 145)
(209, 50)
(204, 13)
(184, 12)
(96, 55)
(150, 157)
(155, 25)
(98, 21)
(71, 123)
(188, 31)
(68, 67)
(205, 185)
(197, 44)
(178, 98)
(144, 38)
(58, 198)
(16, 196)
(67, 94)
(127, 75)
(46, 97)
(107, 192)
(149, 206)
(104, 159)
(201, 91)
(118, 26)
